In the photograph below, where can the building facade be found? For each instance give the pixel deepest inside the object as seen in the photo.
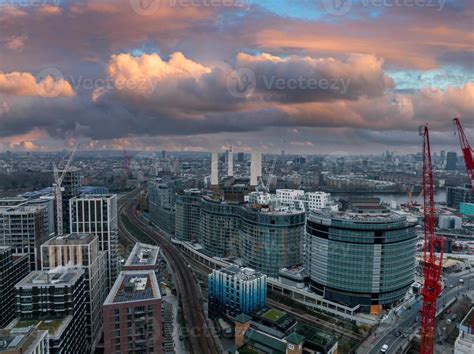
(270, 240)
(13, 268)
(360, 259)
(97, 215)
(72, 189)
(54, 301)
(81, 251)
(234, 290)
(457, 195)
(188, 215)
(24, 228)
(161, 205)
(132, 314)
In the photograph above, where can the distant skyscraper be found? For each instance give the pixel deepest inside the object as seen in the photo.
(442, 155)
(451, 161)
(132, 314)
(82, 250)
(55, 301)
(13, 268)
(235, 290)
(24, 228)
(240, 157)
(97, 215)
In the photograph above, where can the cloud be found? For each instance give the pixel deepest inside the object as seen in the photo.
(25, 84)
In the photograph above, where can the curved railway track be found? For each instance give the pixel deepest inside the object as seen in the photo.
(132, 228)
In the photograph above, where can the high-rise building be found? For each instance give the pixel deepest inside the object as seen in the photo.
(24, 228)
(265, 239)
(13, 268)
(270, 240)
(54, 301)
(97, 215)
(132, 314)
(234, 290)
(365, 258)
(161, 205)
(82, 251)
(451, 161)
(240, 157)
(188, 215)
(24, 341)
(442, 156)
(72, 188)
(457, 195)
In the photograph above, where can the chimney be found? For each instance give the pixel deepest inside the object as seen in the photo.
(214, 169)
(230, 163)
(255, 168)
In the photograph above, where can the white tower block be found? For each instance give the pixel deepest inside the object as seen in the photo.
(214, 169)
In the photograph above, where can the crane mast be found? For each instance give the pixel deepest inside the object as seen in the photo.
(432, 265)
(466, 151)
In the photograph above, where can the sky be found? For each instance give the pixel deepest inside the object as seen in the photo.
(304, 76)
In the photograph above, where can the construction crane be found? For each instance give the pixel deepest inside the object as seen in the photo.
(58, 191)
(466, 151)
(432, 265)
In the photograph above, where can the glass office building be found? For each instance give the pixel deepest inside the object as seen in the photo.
(271, 240)
(360, 259)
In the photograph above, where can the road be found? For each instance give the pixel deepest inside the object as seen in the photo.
(406, 319)
(132, 228)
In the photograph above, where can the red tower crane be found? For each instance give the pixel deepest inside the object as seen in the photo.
(432, 265)
(466, 151)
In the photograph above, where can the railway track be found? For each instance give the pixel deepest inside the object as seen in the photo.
(201, 339)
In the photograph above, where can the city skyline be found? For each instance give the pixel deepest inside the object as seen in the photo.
(203, 75)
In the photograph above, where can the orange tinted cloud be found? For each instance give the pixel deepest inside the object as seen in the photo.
(25, 84)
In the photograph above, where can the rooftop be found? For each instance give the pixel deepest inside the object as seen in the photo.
(71, 239)
(143, 254)
(18, 338)
(50, 278)
(242, 273)
(54, 326)
(353, 217)
(136, 285)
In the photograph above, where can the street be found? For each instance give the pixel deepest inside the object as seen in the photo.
(405, 321)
